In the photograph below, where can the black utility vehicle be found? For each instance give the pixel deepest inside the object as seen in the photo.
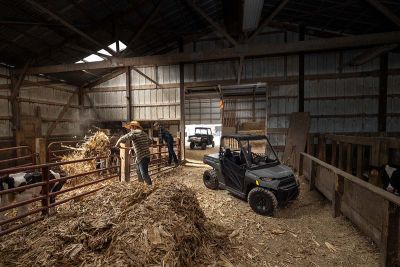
(248, 167)
(202, 138)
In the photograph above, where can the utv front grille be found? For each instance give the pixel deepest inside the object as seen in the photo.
(289, 180)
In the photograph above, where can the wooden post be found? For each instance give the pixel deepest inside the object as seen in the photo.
(159, 156)
(313, 173)
(383, 82)
(321, 148)
(349, 158)
(301, 70)
(383, 153)
(337, 197)
(389, 236)
(360, 156)
(301, 162)
(125, 175)
(182, 101)
(128, 94)
(340, 161)
(310, 144)
(41, 150)
(334, 153)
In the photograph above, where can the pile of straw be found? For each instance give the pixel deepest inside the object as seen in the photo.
(122, 225)
(97, 145)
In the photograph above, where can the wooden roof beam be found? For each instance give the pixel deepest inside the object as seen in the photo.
(268, 19)
(68, 25)
(308, 46)
(146, 23)
(215, 25)
(385, 11)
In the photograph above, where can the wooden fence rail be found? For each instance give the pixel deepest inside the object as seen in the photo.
(373, 210)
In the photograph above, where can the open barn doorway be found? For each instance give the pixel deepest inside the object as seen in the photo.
(202, 139)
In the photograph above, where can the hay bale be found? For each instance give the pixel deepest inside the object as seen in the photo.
(122, 225)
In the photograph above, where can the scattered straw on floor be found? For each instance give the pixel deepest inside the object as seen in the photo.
(122, 225)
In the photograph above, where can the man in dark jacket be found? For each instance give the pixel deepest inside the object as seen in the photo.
(166, 136)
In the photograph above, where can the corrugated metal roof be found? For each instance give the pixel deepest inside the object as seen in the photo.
(36, 34)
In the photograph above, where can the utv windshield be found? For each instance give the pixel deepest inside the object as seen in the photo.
(202, 131)
(258, 152)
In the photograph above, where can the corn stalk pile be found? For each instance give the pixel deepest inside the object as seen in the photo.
(122, 225)
(97, 145)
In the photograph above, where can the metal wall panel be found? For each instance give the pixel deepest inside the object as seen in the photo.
(202, 111)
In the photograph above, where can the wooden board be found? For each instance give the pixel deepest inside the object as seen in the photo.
(296, 140)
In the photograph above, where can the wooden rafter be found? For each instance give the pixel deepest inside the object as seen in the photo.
(146, 23)
(61, 114)
(67, 24)
(307, 46)
(385, 11)
(268, 19)
(147, 77)
(215, 25)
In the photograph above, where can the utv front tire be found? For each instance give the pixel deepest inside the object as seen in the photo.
(210, 179)
(262, 201)
(204, 146)
(213, 144)
(191, 145)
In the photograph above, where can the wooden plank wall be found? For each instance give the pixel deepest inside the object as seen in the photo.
(373, 210)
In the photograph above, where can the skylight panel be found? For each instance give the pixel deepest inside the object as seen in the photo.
(113, 46)
(104, 52)
(92, 58)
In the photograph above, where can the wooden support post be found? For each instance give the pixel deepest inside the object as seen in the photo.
(182, 102)
(334, 153)
(321, 147)
(310, 144)
(349, 158)
(389, 236)
(159, 155)
(301, 167)
(383, 153)
(340, 160)
(337, 197)
(360, 157)
(128, 94)
(41, 150)
(383, 82)
(125, 162)
(301, 71)
(313, 173)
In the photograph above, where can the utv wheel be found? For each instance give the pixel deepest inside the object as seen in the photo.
(210, 179)
(203, 146)
(262, 201)
(213, 144)
(191, 145)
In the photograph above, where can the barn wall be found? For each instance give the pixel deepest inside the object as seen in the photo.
(51, 100)
(5, 106)
(48, 96)
(340, 98)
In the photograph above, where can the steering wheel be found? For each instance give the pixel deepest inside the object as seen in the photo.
(257, 158)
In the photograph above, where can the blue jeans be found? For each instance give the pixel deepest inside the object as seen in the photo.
(171, 152)
(143, 170)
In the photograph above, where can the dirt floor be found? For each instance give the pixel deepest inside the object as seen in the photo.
(196, 155)
(301, 234)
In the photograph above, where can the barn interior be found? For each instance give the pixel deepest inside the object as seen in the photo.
(320, 79)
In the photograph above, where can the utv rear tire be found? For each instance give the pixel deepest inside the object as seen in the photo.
(204, 146)
(210, 179)
(262, 201)
(191, 145)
